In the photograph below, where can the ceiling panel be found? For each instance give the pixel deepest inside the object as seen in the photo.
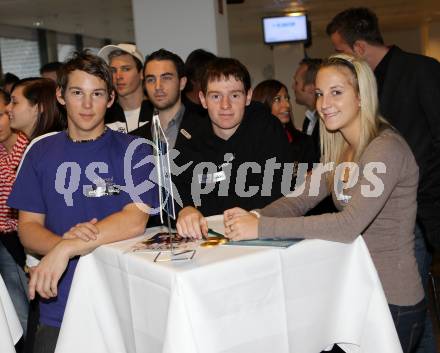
(113, 18)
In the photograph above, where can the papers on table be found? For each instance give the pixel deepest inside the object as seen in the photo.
(162, 242)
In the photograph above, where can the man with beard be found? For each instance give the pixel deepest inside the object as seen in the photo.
(164, 81)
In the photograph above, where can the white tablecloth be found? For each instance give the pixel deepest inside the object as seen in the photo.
(10, 328)
(229, 299)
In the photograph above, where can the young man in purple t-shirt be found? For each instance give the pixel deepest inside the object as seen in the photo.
(71, 190)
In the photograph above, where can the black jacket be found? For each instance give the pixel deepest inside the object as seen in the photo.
(315, 137)
(116, 114)
(259, 137)
(409, 100)
(303, 148)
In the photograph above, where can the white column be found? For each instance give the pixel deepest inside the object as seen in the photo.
(286, 59)
(181, 26)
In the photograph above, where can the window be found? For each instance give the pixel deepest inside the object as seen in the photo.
(20, 57)
(65, 51)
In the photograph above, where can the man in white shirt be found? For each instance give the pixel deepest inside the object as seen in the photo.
(131, 110)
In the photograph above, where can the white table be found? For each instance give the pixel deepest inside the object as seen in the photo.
(229, 299)
(10, 328)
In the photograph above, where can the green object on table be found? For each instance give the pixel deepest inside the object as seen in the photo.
(279, 243)
(214, 233)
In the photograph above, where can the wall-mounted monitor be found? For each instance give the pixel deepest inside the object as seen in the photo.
(285, 29)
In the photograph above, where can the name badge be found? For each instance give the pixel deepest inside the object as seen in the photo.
(211, 178)
(219, 176)
(107, 189)
(186, 134)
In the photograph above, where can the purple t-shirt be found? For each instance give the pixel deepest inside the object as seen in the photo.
(74, 182)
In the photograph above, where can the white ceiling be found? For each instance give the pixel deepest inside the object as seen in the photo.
(113, 18)
(96, 18)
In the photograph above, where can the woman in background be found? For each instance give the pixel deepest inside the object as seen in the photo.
(33, 108)
(275, 96)
(12, 258)
(34, 111)
(352, 131)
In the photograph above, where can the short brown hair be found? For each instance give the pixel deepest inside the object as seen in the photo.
(89, 63)
(223, 68)
(356, 23)
(313, 66)
(5, 96)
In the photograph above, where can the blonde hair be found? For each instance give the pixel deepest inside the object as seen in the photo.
(364, 84)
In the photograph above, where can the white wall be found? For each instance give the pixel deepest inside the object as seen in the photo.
(257, 57)
(180, 26)
(286, 59)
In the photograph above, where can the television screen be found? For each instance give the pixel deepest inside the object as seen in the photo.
(285, 29)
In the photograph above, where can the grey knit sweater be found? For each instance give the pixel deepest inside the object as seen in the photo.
(386, 221)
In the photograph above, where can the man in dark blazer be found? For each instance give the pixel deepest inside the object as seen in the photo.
(304, 88)
(409, 96)
(164, 80)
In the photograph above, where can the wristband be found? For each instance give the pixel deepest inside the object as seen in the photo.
(255, 213)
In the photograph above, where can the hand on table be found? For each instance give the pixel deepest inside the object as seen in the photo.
(191, 223)
(240, 224)
(85, 231)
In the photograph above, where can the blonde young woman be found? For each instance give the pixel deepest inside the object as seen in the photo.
(384, 213)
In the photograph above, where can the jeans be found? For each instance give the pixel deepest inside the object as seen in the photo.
(16, 282)
(427, 343)
(410, 324)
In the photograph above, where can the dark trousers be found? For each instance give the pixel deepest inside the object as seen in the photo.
(32, 325)
(46, 339)
(410, 323)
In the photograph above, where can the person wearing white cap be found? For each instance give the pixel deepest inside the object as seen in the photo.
(131, 110)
